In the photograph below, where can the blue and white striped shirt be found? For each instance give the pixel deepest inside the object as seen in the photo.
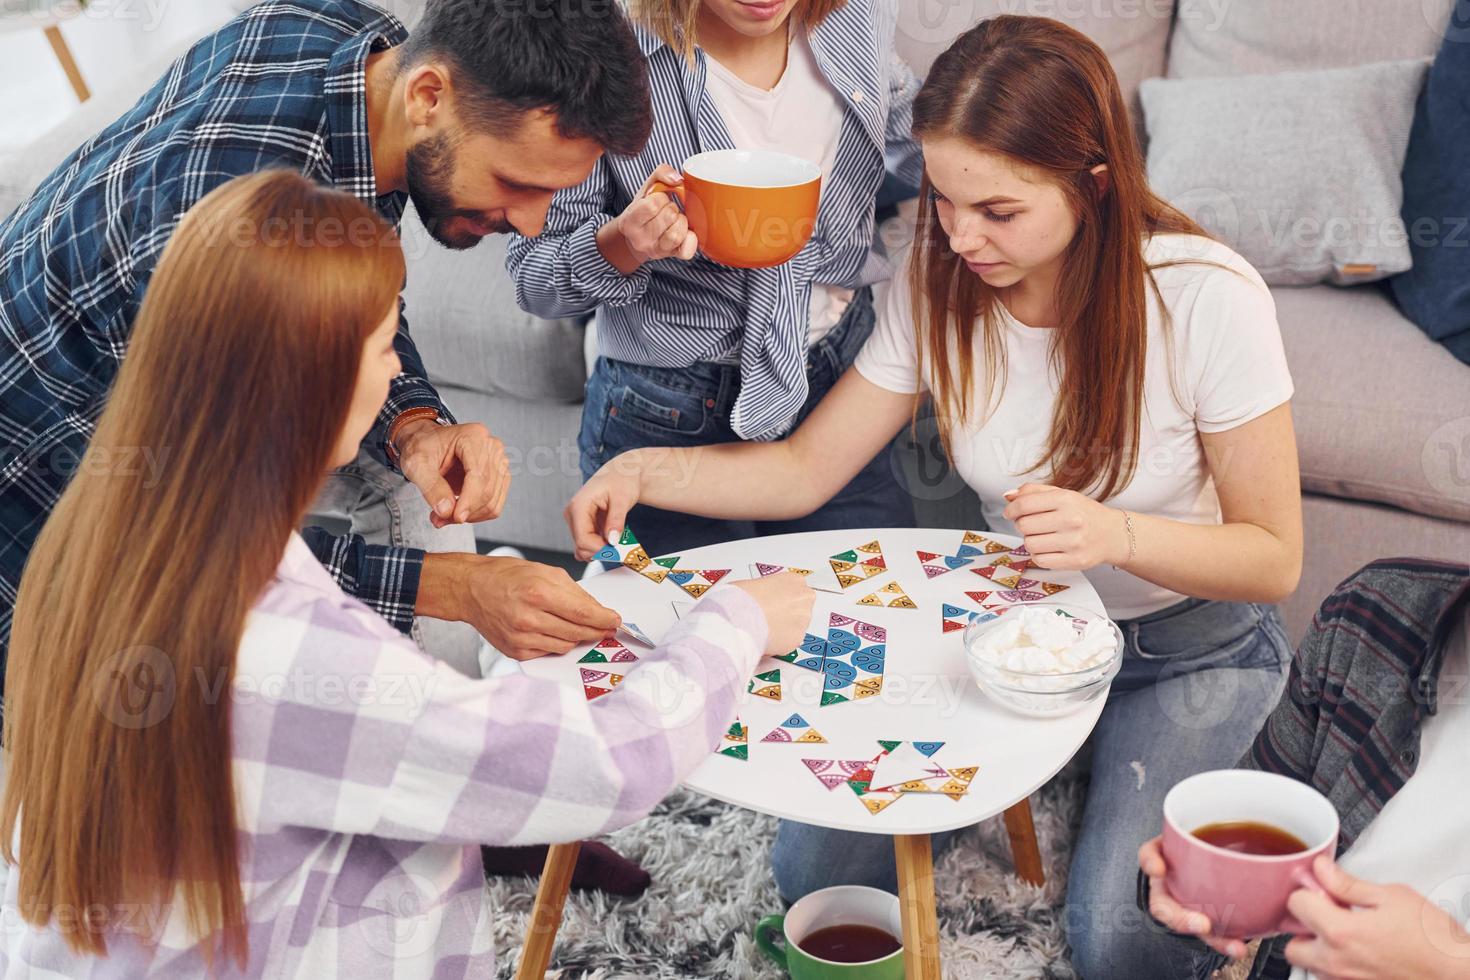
(675, 314)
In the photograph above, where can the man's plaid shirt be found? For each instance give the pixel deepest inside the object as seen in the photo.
(282, 85)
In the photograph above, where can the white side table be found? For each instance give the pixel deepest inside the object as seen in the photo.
(1016, 755)
(29, 15)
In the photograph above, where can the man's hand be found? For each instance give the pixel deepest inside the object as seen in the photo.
(460, 469)
(1363, 931)
(524, 609)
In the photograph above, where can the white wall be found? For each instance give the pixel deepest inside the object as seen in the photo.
(110, 39)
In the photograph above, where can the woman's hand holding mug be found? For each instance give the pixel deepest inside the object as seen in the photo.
(652, 227)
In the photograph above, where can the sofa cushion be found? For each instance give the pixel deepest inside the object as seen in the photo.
(463, 315)
(1134, 33)
(1435, 293)
(1382, 412)
(1297, 171)
(1258, 37)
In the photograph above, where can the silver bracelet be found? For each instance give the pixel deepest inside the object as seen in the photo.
(1132, 540)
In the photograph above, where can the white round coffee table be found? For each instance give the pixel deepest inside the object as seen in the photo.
(927, 694)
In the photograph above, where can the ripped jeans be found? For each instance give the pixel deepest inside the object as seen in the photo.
(1197, 683)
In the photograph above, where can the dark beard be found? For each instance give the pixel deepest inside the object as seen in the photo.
(428, 172)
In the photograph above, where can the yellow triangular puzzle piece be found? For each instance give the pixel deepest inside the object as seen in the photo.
(876, 806)
(811, 735)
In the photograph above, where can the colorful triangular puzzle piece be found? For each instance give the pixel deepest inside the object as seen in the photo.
(735, 742)
(891, 596)
(697, 581)
(766, 685)
(834, 772)
(794, 729)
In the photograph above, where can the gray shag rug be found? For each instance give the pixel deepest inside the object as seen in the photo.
(712, 883)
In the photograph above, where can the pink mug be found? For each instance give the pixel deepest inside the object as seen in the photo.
(1244, 895)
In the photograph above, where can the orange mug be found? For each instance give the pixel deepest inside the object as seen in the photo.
(751, 209)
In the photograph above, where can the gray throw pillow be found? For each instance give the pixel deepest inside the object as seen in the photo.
(1299, 172)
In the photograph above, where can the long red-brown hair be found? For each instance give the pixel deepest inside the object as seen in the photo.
(238, 379)
(1041, 93)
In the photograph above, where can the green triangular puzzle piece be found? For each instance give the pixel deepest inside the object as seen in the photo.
(846, 556)
(790, 658)
(832, 697)
(734, 730)
(889, 746)
(736, 752)
(627, 537)
(770, 676)
(860, 787)
(669, 562)
(592, 657)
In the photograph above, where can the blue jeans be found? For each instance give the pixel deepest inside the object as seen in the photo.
(1197, 683)
(632, 406)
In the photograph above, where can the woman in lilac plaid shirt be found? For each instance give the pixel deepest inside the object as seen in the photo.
(259, 774)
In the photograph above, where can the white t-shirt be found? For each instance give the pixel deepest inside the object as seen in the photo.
(1419, 838)
(1229, 366)
(801, 116)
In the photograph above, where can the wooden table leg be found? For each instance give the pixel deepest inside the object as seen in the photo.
(551, 898)
(915, 858)
(62, 51)
(1025, 851)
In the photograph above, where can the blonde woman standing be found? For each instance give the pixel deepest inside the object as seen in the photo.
(693, 352)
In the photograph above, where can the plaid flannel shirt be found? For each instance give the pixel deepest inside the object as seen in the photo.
(282, 85)
(1361, 686)
(366, 775)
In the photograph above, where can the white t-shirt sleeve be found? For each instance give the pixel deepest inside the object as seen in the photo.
(1235, 361)
(890, 358)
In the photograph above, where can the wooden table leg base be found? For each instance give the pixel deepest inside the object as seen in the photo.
(915, 858)
(1025, 851)
(62, 51)
(551, 898)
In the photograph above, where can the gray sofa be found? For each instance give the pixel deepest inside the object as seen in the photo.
(1382, 414)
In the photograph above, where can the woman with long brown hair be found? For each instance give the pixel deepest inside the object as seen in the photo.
(217, 760)
(1112, 384)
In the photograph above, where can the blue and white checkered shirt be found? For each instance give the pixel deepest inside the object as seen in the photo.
(675, 314)
(282, 85)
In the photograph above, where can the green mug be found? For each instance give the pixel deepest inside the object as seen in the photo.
(843, 905)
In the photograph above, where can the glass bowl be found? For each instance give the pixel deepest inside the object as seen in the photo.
(1042, 694)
